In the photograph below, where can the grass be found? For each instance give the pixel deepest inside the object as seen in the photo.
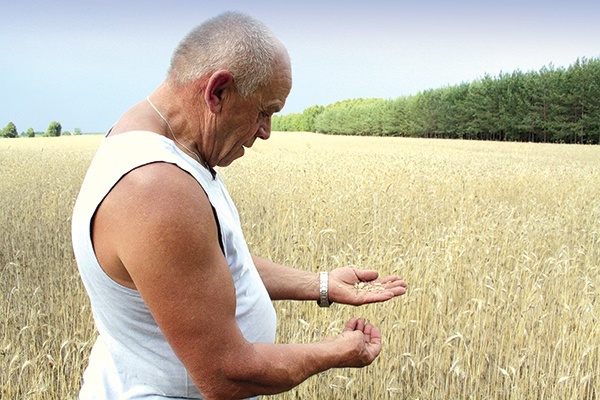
(499, 243)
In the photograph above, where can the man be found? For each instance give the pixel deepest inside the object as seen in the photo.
(183, 309)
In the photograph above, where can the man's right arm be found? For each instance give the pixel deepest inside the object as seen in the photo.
(157, 225)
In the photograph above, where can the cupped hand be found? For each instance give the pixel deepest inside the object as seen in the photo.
(357, 287)
(361, 343)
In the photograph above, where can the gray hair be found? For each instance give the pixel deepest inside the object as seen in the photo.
(232, 41)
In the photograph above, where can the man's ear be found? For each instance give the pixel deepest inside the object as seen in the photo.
(216, 87)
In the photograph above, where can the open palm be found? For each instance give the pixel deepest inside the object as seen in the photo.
(356, 287)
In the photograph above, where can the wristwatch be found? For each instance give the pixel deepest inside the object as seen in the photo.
(324, 290)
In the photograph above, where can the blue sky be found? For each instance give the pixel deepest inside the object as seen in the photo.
(83, 63)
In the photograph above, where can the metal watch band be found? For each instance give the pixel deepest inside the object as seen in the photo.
(324, 289)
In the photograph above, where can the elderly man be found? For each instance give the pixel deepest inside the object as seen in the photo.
(183, 309)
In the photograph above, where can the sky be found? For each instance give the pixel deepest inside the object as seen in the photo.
(84, 63)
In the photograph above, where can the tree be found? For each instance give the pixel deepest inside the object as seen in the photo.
(30, 132)
(10, 131)
(309, 116)
(77, 131)
(582, 100)
(54, 129)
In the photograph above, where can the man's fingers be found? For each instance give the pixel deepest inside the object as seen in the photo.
(392, 281)
(366, 275)
(360, 325)
(351, 325)
(374, 334)
(386, 288)
(398, 287)
(370, 336)
(356, 324)
(367, 333)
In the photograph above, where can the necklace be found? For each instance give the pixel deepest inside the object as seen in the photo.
(196, 156)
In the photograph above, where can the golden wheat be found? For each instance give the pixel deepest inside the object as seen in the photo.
(498, 241)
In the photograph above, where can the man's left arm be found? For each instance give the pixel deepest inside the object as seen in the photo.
(346, 285)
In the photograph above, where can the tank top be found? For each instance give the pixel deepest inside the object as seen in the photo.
(131, 358)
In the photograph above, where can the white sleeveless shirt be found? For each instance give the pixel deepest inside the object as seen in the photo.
(131, 358)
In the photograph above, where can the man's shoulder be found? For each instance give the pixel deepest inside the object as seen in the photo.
(158, 190)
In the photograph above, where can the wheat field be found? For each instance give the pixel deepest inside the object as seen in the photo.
(499, 243)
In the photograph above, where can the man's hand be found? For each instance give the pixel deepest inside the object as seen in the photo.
(360, 341)
(357, 287)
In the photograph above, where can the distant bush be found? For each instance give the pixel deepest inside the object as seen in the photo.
(10, 131)
(54, 129)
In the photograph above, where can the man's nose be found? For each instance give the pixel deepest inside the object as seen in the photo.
(264, 132)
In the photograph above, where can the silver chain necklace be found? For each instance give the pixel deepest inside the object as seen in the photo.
(196, 156)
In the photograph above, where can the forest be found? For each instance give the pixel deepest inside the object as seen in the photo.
(556, 105)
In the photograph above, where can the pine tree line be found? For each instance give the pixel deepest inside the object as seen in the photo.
(560, 105)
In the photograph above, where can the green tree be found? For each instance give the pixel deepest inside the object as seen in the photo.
(54, 129)
(591, 119)
(394, 117)
(30, 132)
(10, 131)
(582, 100)
(309, 116)
(425, 114)
(77, 131)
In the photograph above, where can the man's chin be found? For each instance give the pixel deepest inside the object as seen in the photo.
(225, 162)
